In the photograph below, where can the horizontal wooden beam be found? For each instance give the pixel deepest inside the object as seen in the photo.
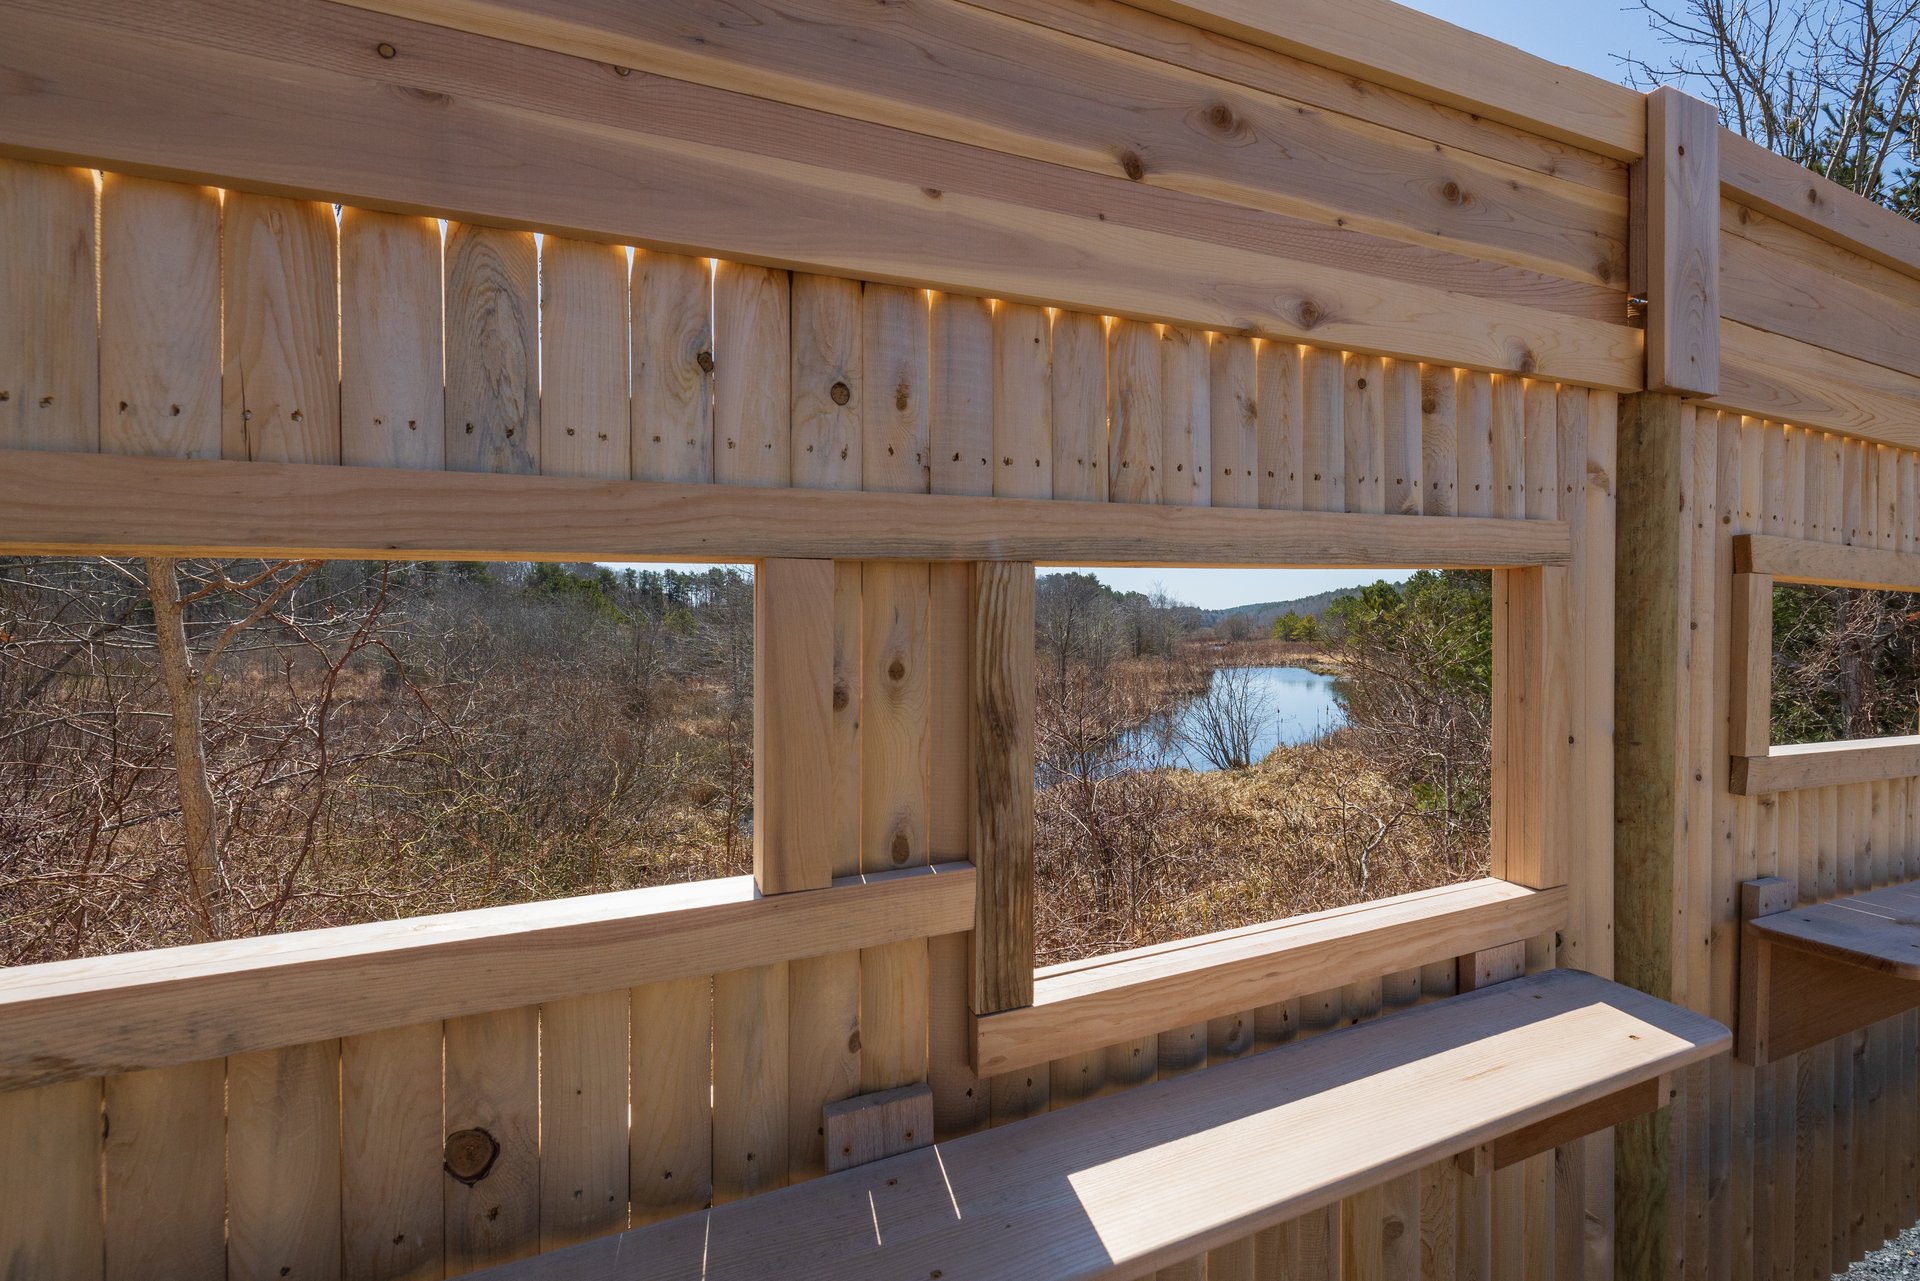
(69, 1019)
(1395, 46)
(1771, 183)
(99, 504)
(1797, 560)
(1804, 765)
(1790, 381)
(1083, 1006)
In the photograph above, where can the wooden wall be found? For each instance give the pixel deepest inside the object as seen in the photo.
(1801, 1166)
(483, 348)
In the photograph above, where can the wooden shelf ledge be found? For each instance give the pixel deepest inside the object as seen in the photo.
(1809, 974)
(1088, 1005)
(1118, 1186)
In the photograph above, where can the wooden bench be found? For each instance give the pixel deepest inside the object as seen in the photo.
(1809, 974)
(1118, 1186)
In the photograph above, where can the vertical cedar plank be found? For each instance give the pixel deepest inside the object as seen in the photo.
(1185, 446)
(1230, 1037)
(1281, 417)
(750, 1090)
(159, 318)
(1323, 433)
(672, 367)
(1542, 460)
(1405, 437)
(824, 1057)
(961, 1099)
(793, 678)
(894, 702)
(493, 1085)
(829, 408)
(1365, 425)
(1475, 444)
(583, 1116)
(826, 383)
(1682, 191)
(1439, 448)
(283, 1162)
(50, 1182)
(165, 1170)
(1022, 403)
(896, 817)
(493, 351)
(49, 347)
(670, 1147)
(280, 385)
(1003, 695)
(1079, 395)
(960, 404)
(392, 1211)
(896, 450)
(1234, 423)
(1077, 1077)
(1509, 447)
(753, 365)
(893, 1015)
(585, 421)
(392, 406)
(1135, 413)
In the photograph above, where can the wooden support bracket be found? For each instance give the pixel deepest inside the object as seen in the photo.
(1809, 974)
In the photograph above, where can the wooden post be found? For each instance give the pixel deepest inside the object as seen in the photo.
(1682, 221)
(1650, 553)
(1003, 693)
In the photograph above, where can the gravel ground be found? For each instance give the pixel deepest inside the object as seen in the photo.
(1900, 1258)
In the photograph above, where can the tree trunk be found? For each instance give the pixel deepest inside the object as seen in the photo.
(200, 826)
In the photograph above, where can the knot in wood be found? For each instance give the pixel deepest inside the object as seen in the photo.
(841, 393)
(385, 50)
(1132, 166)
(1220, 116)
(470, 1155)
(704, 359)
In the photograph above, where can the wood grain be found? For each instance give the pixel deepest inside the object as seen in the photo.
(165, 1172)
(49, 344)
(793, 725)
(1683, 244)
(392, 405)
(1003, 754)
(283, 1161)
(493, 350)
(159, 319)
(672, 367)
(585, 421)
(280, 325)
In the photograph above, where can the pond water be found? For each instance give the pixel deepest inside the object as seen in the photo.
(1288, 705)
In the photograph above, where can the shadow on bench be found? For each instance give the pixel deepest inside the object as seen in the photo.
(1118, 1186)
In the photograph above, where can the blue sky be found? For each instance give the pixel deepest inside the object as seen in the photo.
(1577, 33)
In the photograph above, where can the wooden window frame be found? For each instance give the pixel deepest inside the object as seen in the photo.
(1758, 767)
